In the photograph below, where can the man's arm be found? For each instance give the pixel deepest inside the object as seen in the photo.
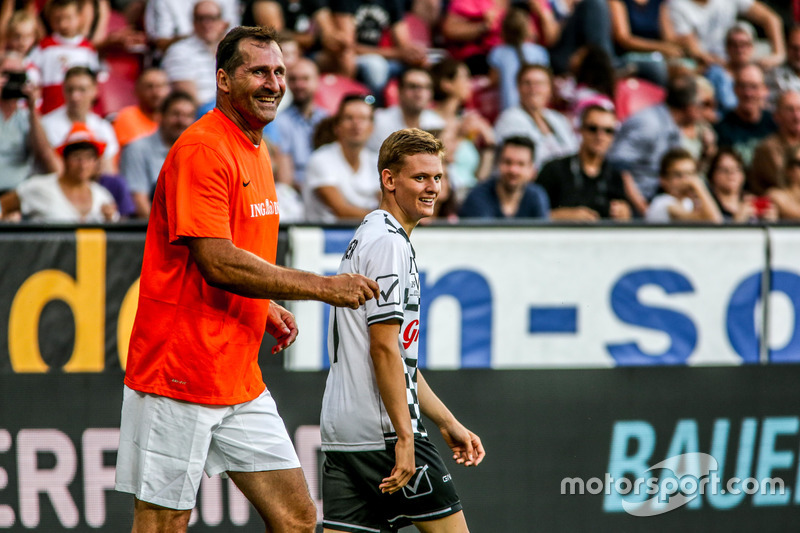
(37, 138)
(467, 447)
(761, 14)
(333, 198)
(390, 375)
(225, 266)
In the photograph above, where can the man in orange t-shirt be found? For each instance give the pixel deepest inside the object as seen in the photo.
(137, 121)
(194, 398)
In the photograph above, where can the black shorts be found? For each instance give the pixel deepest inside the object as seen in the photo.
(352, 501)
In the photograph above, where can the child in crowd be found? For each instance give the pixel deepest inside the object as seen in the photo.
(21, 33)
(64, 48)
(684, 196)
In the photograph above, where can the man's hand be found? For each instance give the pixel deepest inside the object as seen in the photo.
(619, 210)
(350, 290)
(404, 466)
(466, 445)
(282, 326)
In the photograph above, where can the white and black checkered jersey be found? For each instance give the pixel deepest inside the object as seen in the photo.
(353, 415)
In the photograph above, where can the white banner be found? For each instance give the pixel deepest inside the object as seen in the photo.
(577, 297)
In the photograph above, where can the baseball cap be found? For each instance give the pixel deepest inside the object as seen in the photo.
(80, 134)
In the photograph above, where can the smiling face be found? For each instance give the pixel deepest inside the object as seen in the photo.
(414, 187)
(255, 87)
(354, 124)
(535, 90)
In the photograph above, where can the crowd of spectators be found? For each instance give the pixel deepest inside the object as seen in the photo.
(567, 110)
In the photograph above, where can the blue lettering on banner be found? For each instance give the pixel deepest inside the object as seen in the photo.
(627, 307)
(633, 443)
(770, 459)
(741, 321)
(553, 319)
(789, 284)
(469, 288)
(474, 294)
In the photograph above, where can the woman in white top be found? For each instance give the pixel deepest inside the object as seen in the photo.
(550, 131)
(683, 197)
(69, 197)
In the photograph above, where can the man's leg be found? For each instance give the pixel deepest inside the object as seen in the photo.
(281, 497)
(150, 518)
(454, 523)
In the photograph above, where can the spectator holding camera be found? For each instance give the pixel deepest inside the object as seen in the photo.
(726, 181)
(786, 198)
(685, 198)
(22, 137)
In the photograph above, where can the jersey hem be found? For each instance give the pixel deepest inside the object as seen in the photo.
(205, 400)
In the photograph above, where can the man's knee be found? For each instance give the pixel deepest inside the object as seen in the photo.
(151, 518)
(305, 515)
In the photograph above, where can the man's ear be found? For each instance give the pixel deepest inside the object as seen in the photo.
(223, 81)
(387, 179)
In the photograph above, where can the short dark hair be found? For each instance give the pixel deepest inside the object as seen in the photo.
(177, 96)
(671, 157)
(78, 147)
(401, 81)
(404, 143)
(681, 91)
(528, 67)
(52, 4)
(80, 70)
(347, 99)
(520, 140)
(591, 108)
(229, 56)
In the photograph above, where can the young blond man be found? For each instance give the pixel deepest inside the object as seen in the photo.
(381, 472)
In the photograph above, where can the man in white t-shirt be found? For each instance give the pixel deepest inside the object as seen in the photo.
(415, 94)
(80, 91)
(190, 64)
(381, 472)
(701, 26)
(341, 181)
(169, 21)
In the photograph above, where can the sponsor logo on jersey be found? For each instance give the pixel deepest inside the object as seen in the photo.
(411, 334)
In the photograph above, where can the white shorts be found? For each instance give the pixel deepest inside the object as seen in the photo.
(166, 444)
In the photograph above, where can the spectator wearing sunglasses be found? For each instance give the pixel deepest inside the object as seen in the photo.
(584, 187)
(341, 180)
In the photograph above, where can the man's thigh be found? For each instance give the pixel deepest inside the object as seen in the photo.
(455, 523)
(281, 497)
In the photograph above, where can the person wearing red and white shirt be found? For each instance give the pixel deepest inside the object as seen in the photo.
(61, 50)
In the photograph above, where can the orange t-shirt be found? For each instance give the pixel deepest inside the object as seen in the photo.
(191, 341)
(131, 124)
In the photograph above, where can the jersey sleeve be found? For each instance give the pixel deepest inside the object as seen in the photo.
(386, 262)
(197, 194)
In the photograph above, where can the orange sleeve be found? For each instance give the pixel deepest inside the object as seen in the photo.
(197, 194)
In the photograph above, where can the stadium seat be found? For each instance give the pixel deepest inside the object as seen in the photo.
(485, 98)
(117, 89)
(333, 87)
(633, 94)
